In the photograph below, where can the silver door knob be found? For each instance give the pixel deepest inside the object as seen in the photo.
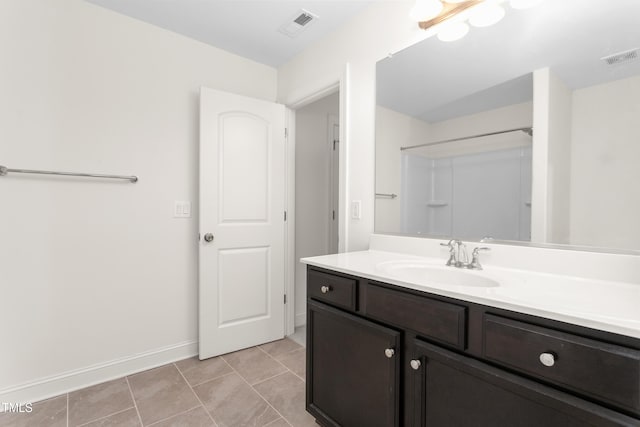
(208, 237)
(325, 289)
(389, 352)
(548, 359)
(415, 364)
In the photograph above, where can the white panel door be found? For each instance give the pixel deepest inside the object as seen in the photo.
(242, 234)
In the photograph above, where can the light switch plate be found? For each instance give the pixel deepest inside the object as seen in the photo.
(181, 209)
(356, 207)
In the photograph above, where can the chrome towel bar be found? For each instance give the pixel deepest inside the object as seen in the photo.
(4, 171)
(387, 196)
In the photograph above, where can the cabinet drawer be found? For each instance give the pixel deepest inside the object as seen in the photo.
(336, 290)
(430, 318)
(455, 390)
(607, 372)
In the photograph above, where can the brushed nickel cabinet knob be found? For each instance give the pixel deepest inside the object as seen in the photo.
(548, 359)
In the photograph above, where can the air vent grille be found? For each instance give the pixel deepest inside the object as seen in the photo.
(302, 20)
(619, 58)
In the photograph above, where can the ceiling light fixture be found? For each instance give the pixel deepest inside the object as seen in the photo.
(524, 4)
(425, 10)
(486, 15)
(448, 11)
(479, 13)
(453, 31)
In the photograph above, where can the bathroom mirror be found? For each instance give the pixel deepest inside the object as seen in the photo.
(524, 131)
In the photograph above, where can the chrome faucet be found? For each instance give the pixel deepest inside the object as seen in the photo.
(459, 258)
(453, 257)
(475, 262)
(457, 252)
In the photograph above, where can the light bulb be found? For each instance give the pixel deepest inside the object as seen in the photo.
(454, 31)
(524, 4)
(486, 14)
(424, 10)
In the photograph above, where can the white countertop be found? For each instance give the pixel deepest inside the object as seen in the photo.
(599, 304)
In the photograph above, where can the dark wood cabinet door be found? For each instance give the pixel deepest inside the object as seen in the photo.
(353, 369)
(453, 390)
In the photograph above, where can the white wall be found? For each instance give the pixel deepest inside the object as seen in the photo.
(495, 120)
(550, 200)
(96, 277)
(540, 155)
(585, 154)
(393, 130)
(559, 163)
(605, 206)
(379, 30)
(312, 190)
(468, 196)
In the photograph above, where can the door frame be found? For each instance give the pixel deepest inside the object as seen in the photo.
(340, 84)
(332, 237)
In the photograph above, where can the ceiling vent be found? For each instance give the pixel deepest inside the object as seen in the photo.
(297, 23)
(621, 57)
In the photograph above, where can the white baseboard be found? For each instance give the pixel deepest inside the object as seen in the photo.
(55, 385)
(301, 319)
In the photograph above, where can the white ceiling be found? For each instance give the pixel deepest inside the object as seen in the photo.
(248, 28)
(431, 80)
(435, 80)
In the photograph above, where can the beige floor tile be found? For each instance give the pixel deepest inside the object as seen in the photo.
(161, 393)
(279, 348)
(233, 403)
(128, 418)
(254, 364)
(197, 417)
(199, 371)
(165, 399)
(296, 362)
(286, 393)
(98, 401)
(48, 413)
(300, 335)
(280, 422)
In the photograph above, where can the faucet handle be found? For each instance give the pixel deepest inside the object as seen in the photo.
(452, 252)
(449, 244)
(478, 249)
(475, 262)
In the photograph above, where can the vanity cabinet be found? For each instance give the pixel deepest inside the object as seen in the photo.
(355, 369)
(455, 390)
(383, 355)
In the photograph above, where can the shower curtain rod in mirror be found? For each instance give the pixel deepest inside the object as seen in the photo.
(4, 171)
(527, 130)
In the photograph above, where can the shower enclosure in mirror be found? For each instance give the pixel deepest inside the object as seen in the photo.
(524, 131)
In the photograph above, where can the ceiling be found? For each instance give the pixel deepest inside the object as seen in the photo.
(248, 28)
(432, 80)
(490, 67)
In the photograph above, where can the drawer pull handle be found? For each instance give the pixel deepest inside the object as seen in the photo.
(389, 353)
(325, 289)
(548, 359)
(415, 364)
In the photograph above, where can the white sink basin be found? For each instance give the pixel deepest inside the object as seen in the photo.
(418, 272)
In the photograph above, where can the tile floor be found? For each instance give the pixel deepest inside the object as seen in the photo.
(259, 386)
